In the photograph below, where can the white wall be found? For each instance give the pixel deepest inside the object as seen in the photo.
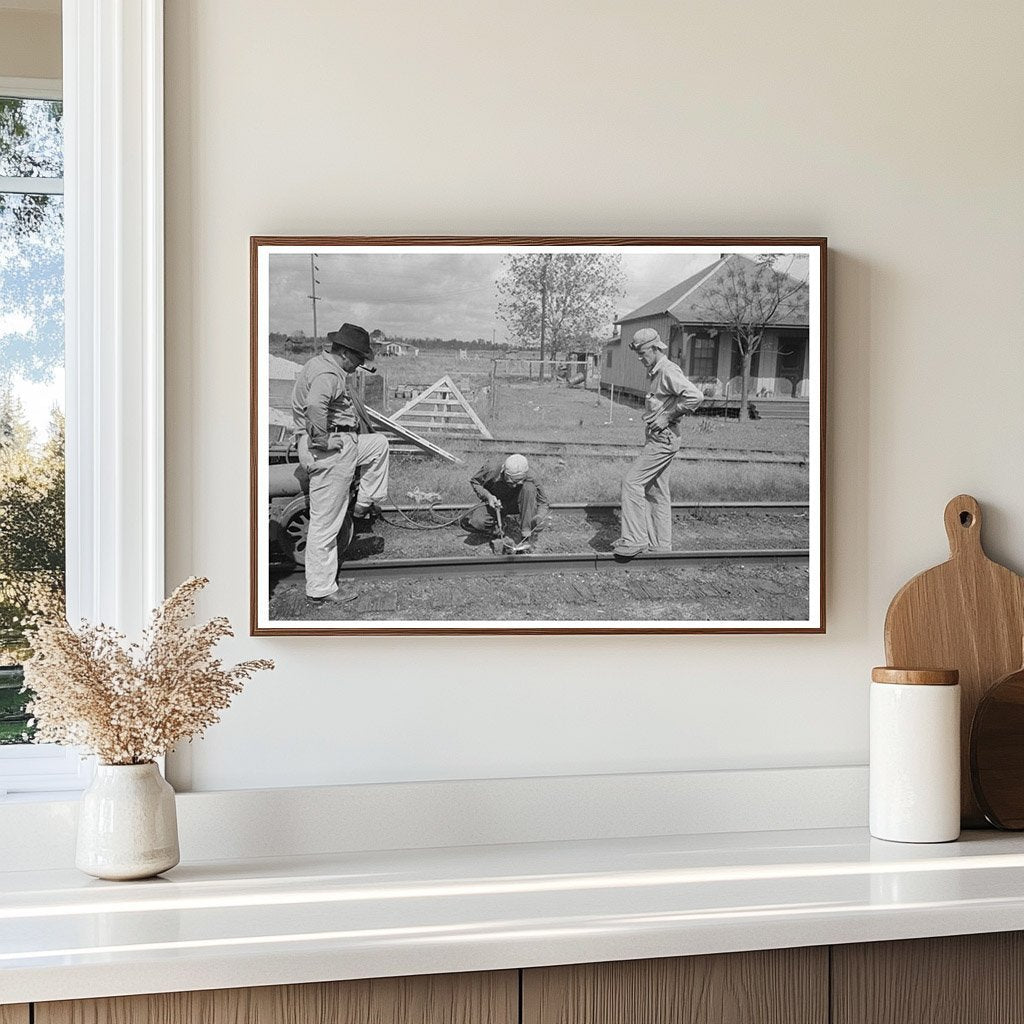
(894, 129)
(30, 41)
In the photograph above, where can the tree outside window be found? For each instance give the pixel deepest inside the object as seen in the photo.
(31, 386)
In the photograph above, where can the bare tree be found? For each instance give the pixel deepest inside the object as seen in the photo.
(558, 298)
(748, 296)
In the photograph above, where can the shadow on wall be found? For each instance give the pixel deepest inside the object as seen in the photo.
(854, 287)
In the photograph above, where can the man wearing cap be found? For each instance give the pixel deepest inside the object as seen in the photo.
(334, 439)
(511, 487)
(646, 502)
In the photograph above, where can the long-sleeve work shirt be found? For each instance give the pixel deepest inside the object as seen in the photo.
(670, 389)
(491, 480)
(320, 400)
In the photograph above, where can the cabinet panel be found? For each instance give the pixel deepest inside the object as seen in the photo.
(962, 979)
(481, 998)
(14, 1014)
(778, 986)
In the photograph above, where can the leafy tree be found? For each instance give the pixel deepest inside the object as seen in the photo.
(15, 429)
(559, 298)
(31, 525)
(31, 242)
(31, 347)
(748, 296)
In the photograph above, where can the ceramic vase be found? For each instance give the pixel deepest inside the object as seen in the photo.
(915, 755)
(127, 825)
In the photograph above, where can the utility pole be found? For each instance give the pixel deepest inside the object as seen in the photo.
(543, 309)
(313, 271)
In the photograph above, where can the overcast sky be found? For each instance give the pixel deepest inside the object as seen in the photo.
(445, 295)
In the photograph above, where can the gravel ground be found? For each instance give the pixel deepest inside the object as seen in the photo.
(573, 531)
(729, 592)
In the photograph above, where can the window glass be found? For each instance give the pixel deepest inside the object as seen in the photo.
(31, 139)
(704, 357)
(31, 387)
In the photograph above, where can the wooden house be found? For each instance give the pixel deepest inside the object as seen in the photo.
(397, 348)
(707, 351)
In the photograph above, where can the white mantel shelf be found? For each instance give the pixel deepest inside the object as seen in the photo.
(225, 924)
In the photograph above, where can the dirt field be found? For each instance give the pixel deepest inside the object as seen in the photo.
(556, 412)
(754, 591)
(550, 410)
(553, 412)
(524, 410)
(731, 592)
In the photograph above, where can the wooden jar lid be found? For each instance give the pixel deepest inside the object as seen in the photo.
(916, 676)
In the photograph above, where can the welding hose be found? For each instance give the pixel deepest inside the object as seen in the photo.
(425, 526)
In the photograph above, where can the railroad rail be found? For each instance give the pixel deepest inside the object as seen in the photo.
(480, 446)
(626, 447)
(534, 563)
(593, 506)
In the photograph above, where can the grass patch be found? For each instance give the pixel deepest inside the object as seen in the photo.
(550, 411)
(599, 480)
(12, 717)
(553, 412)
(12, 732)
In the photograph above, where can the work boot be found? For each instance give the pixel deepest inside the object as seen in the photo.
(623, 548)
(363, 517)
(336, 598)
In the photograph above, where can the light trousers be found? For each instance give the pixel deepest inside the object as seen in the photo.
(646, 500)
(330, 482)
(532, 515)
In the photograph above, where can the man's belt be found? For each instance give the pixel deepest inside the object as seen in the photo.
(351, 428)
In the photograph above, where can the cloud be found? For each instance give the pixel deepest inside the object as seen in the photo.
(443, 294)
(434, 294)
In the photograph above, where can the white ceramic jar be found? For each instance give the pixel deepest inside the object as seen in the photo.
(915, 755)
(127, 823)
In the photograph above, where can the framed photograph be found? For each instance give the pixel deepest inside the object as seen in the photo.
(537, 435)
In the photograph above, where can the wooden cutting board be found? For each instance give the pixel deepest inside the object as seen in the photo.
(997, 752)
(967, 614)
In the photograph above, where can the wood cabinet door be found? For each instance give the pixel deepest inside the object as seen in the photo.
(960, 979)
(481, 998)
(777, 986)
(14, 1014)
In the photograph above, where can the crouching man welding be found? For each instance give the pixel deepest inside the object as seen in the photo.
(335, 439)
(508, 489)
(646, 500)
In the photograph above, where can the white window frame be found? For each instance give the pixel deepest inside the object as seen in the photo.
(37, 767)
(114, 347)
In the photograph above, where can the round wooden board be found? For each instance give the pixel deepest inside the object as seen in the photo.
(967, 613)
(997, 752)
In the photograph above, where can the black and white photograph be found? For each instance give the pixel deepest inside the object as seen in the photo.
(537, 435)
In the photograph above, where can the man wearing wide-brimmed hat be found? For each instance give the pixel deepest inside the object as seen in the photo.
(646, 501)
(334, 439)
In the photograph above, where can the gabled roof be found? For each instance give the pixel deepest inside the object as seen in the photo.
(664, 302)
(686, 301)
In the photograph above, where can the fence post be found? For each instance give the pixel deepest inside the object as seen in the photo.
(494, 387)
(611, 401)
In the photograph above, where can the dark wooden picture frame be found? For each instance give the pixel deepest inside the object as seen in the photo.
(697, 345)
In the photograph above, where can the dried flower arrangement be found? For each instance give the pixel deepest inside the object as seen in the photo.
(130, 703)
